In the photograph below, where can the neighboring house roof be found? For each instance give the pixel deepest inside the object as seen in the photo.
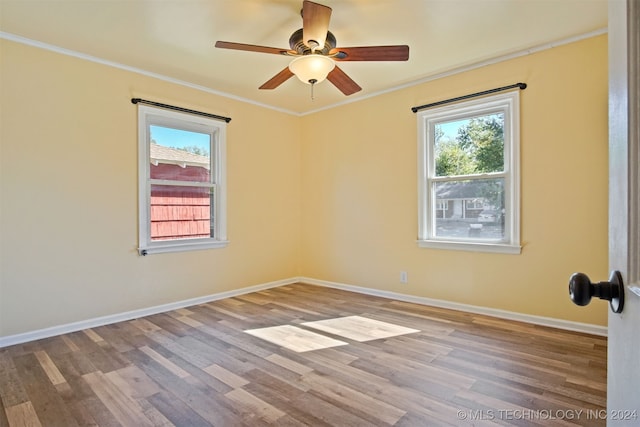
(173, 156)
(465, 189)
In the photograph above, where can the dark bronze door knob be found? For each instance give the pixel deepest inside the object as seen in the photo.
(581, 290)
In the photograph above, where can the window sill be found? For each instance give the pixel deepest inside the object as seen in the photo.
(181, 247)
(501, 248)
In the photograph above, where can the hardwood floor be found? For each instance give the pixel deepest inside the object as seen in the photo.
(198, 367)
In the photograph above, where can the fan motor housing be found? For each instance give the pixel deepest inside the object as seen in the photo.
(296, 43)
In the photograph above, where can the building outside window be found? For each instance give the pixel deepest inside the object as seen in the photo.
(182, 194)
(469, 162)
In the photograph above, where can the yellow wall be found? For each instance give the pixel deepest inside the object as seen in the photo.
(69, 194)
(359, 178)
(336, 202)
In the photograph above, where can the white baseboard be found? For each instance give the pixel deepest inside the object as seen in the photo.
(503, 314)
(129, 315)
(135, 314)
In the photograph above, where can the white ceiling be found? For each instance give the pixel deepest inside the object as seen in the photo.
(175, 38)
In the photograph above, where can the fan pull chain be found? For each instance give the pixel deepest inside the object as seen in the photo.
(313, 83)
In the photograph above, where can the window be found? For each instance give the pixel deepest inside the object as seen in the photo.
(474, 203)
(182, 194)
(468, 159)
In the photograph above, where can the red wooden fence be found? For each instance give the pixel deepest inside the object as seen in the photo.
(180, 212)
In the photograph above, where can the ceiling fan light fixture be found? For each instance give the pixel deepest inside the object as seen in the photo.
(312, 69)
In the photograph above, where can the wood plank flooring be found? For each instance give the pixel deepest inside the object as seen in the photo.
(198, 367)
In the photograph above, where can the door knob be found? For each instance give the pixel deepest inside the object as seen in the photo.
(581, 290)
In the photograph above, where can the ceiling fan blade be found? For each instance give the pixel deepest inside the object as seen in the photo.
(315, 23)
(371, 53)
(278, 79)
(251, 48)
(343, 82)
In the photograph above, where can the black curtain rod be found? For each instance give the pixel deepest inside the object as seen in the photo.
(473, 95)
(184, 110)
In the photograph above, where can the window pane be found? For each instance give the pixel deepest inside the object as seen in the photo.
(181, 212)
(179, 155)
(469, 146)
(473, 209)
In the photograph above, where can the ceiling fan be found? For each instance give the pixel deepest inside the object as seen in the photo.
(314, 50)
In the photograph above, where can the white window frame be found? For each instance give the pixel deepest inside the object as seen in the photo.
(148, 116)
(507, 103)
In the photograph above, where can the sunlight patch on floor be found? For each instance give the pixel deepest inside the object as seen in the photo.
(355, 328)
(294, 338)
(359, 328)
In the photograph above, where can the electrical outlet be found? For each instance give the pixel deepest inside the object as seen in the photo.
(404, 277)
